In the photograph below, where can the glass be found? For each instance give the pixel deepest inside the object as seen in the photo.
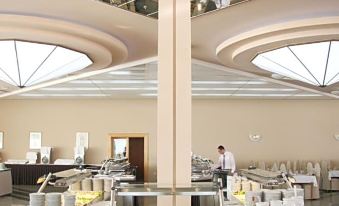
(120, 148)
(150, 7)
(313, 63)
(27, 63)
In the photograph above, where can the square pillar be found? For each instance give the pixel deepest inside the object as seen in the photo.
(174, 98)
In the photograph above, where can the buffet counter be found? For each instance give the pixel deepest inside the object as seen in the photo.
(5, 182)
(201, 193)
(28, 174)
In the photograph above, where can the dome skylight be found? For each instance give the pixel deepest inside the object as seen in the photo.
(313, 63)
(26, 63)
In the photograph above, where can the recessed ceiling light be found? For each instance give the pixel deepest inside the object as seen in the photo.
(26, 63)
(114, 82)
(245, 89)
(212, 95)
(262, 95)
(98, 89)
(149, 95)
(63, 95)
(228, 82)
(307, 95)
(121, 73)
(313, 63)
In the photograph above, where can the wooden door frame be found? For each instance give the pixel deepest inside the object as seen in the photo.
(127, 136)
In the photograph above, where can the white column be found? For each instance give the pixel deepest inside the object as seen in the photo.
(174, 98)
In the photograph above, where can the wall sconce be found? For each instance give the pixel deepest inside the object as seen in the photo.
(255, 137)
(336, 137)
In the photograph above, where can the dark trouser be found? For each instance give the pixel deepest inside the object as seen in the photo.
(222, 174)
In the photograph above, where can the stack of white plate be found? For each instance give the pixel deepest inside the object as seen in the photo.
(255, 186)
(236, 186)
(76, 186)
(107, 184)
(251, 197)
(37, 199)
(69, 199)
(53, 199)
(98, 184)
(262, 204)
(246, 186)
(276, 203)
(107, 188)
(290, 193)
(294, 201)
(269, 195)
(86, 184)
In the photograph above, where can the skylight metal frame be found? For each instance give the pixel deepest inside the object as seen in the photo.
(47, 56)
(314, 81)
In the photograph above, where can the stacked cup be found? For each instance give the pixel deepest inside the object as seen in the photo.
(53, 199)
(262, 204)
(276, 203)
(69, 199)
(86, 184)
(107, 188)
(37, 199)
(270, 195)
(98, 184)
(76, 186)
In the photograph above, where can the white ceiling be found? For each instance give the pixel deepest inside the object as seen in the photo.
(138, 35)
(141, 82)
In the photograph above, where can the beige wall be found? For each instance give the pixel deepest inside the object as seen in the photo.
(59, 120)
(290, 129)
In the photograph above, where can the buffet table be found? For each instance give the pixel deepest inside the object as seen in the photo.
(201, 193)
(310, 185)
(5, 182)
(306, 179)
(333, 174)
(28, 174)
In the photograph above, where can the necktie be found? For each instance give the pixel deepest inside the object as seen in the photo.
(224, 162)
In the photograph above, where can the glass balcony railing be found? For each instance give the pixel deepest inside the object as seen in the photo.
(150, 7)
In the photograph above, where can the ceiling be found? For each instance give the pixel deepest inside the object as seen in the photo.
(113, 37)
(141, 82)
(266, 26)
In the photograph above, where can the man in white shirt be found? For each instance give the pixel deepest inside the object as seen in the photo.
(222, 3)
(226, 159)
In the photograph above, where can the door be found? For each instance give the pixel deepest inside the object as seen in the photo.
(137, 156)
(134, 146)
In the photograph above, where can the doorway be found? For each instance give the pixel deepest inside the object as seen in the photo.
(133, 146)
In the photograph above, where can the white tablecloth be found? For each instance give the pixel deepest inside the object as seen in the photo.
(5, 182)
(333, 173)
(306, 179)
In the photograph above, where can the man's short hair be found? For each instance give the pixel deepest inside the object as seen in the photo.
(221, 147)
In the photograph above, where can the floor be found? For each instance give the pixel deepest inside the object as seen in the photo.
(327, 199)
(11, 201)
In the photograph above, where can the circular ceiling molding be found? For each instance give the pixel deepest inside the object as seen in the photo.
(239, 51)
(103, 49)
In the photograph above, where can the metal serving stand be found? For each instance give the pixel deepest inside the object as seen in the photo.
(201, 169)
(264, 177)
(209, 193)
(117, 169)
